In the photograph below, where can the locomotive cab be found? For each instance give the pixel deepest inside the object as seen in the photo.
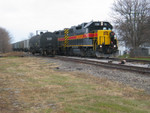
(104, 40)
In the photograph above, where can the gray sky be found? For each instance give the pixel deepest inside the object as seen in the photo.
(21, 17)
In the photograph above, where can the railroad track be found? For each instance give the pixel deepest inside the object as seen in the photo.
(131, 60)
(119, 59)
(142, 70)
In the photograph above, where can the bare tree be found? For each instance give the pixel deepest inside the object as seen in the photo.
(147, 30)
(130, 18)
(5, 45)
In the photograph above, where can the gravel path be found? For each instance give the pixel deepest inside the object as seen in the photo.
(136, 80)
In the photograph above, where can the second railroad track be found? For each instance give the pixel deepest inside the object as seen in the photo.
(143, 70)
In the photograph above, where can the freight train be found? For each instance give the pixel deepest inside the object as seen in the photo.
(87, 39)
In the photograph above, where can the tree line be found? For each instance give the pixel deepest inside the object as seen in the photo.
(5, 41)
(132, 21)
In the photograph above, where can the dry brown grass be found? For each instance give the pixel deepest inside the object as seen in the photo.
(13, 54)
(32, 85)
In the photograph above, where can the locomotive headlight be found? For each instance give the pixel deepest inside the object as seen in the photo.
(100, 46)
(114, 45)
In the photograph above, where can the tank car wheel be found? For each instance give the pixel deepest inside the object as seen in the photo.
(53, 53)
(44, 53)
(33, 52)
(41, 52)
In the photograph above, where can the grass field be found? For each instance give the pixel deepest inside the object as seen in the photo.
(141, 59)
(136, 58)
(31, 85)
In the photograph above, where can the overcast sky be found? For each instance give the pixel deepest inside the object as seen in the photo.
(21, 17)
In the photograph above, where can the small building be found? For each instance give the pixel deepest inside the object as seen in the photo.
(146, 48)
(142, 51)
(121, 48)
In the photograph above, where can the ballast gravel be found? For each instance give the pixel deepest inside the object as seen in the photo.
(136, 80)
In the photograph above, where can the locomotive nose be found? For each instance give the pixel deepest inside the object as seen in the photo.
(103, 37)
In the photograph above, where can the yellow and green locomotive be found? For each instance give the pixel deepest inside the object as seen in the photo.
(88, 39)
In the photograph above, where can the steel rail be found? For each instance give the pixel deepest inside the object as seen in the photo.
(142, 70)
(131, 60)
